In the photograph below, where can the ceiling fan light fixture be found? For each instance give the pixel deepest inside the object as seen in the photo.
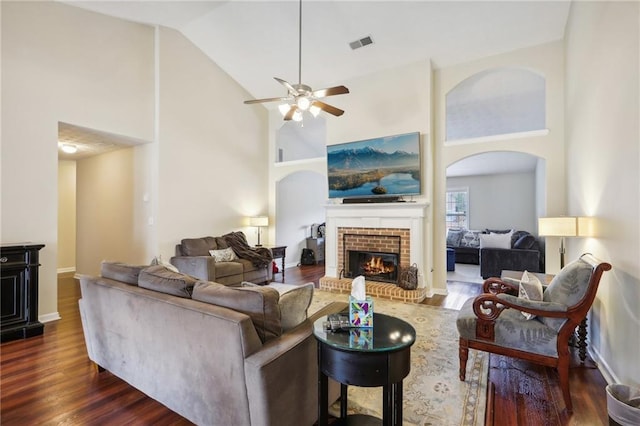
(303, 102)
(284, 109)
(314, 110)
(301, 97)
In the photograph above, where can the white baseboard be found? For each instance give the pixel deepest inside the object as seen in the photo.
(54, 316)
(66, 270)
(604, 368)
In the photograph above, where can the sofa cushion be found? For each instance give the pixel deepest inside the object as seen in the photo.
(119, 271)
(223, 255)
(471, 239)
(294, 302)
(454, 236)
(525, 242)
(161, 279)
(494, 240)
(259, 303)
(198, 246)
(221, 243)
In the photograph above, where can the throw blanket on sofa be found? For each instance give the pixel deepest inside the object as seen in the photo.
(259, 256)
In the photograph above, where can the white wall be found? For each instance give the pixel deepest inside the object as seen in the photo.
(213, 149)
(603, 163)
(546, 59)
(61, 63)
(500, 201)
(66, 216)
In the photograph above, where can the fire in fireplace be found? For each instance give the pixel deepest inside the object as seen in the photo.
(373, 266)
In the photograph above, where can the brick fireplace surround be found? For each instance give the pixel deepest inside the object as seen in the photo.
(373, 227)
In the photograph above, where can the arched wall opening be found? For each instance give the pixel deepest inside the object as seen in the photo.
(504, 189)
(300, 202)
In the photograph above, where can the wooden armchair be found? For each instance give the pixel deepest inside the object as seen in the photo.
(493, 321)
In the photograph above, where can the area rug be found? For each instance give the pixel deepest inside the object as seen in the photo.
(433, 393)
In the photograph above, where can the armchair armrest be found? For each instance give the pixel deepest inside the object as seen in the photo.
(201, 267)
(500, 285)
(536, 307)
(488, 307)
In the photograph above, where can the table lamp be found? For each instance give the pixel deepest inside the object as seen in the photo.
(259, 222)
(565, 226)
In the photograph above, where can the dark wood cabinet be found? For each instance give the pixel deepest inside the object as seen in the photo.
(19, 291)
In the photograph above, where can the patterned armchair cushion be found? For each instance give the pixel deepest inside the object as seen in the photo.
(567, 288)
(512, 330)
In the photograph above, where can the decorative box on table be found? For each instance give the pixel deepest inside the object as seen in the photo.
(361, 312)
(361, 338)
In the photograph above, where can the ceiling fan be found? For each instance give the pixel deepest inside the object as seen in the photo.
(301, 97)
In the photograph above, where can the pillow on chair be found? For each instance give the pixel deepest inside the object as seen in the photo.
(530, 289)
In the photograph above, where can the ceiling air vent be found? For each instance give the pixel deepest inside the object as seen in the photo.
(361, 43)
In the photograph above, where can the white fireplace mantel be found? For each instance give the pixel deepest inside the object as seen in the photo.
(412, 216)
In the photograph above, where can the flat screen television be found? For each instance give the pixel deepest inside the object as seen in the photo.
(380, 167)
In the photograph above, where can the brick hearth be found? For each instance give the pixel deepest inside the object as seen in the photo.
(377, 289)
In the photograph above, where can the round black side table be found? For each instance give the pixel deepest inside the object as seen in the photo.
(378, 356)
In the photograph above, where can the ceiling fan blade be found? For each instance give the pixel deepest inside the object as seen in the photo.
(286, 84)
(328, 108)
(259, 101)
(289, 115)
(337, 90)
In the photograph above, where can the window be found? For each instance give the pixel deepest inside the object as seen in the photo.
(496, 102)
(457, 205)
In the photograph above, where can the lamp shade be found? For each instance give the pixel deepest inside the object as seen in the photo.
(259, 221)
(563, 226)
(587, 227)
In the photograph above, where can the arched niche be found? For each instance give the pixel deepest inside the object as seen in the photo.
(301, 140)
(496, 101)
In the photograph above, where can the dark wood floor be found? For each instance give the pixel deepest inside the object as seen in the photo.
(49, 380)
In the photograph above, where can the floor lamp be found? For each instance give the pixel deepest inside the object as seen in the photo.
(565, 226)
(259, 222)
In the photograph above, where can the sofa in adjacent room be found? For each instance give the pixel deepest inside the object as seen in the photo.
(466, 244)
(216, 355)
(227, 259)
(495, 250)
(508, 250)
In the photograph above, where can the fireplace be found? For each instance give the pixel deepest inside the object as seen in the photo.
(374, 266)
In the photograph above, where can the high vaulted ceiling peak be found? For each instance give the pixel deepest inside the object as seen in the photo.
(253, 41)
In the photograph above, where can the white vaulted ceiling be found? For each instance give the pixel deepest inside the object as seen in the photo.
(254, 41)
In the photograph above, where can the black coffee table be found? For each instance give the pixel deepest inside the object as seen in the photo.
(380, 356)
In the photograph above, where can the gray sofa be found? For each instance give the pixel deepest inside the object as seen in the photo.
(179, 341)
(193, 258)
(524, 255)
